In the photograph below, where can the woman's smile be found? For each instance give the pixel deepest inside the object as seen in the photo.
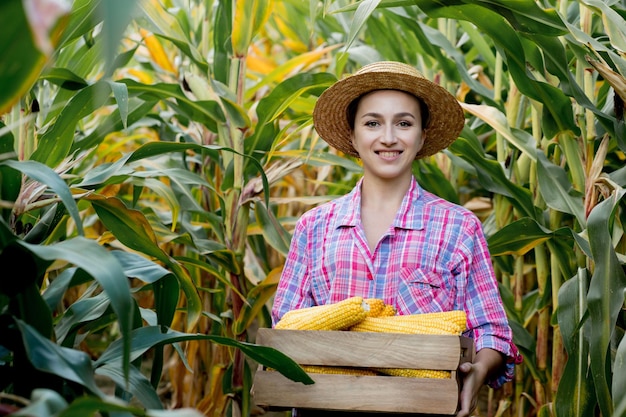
(389, 154)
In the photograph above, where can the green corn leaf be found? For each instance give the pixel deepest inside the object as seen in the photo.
(71, 364)
(80, 312)
(518, 237)
(575, 394)
(129, 226)
(558, 110)
(207, 111)
(103, 267)
(556, 189)
(55, 144)
(606, 295)
(613, 23)
(493, 178)
(147, 337)
(619, 379)
(279, 100)
(255, 302)
(64, 78)
(364, 10)
(275, 235)
(151, 149)
(116, 16)
(249, 17)
(120, 92)
(136, 384)
(132, 229)
(223, 277)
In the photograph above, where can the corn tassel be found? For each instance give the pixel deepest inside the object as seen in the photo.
(337, 316)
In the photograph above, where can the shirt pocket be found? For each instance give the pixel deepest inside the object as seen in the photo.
(423, 291)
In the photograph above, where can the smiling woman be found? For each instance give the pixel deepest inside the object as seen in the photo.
(387, 136)
(389, 238)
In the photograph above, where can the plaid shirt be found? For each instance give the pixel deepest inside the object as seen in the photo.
(434, 257)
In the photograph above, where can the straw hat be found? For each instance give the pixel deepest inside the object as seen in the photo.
(445, 120)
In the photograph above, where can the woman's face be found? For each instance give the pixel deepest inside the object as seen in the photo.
(388, 133)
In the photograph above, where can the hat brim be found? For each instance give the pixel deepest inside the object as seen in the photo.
(445, 120)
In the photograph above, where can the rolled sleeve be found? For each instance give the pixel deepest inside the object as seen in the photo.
(487, 340)
(487, 320)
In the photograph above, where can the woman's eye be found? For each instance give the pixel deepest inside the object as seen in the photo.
(404, 123)
(371, 123)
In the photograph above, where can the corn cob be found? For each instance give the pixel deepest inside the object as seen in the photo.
(415, 373)
(337, 316)
(338, 370)
(389, 310)
(385, 325)
(376, 307)
(457, 317)
(295, 319)
(428, 323)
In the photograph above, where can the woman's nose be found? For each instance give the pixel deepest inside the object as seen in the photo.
(388, 136)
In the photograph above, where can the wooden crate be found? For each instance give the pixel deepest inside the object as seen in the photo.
(388, 394)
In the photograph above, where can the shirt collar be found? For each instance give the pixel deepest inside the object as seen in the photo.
(410, 215)
(349, 207)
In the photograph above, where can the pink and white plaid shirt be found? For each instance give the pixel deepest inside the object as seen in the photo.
(434, 257)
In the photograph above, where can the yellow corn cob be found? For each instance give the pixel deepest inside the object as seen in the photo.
(415, 373)
(376, 307)
(428, 323)
(337, 316)
(384, 325)
(338, 370)
(293, 318)
(389, 310)
(457, 317)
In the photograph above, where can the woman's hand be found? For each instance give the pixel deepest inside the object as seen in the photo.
(474, 376)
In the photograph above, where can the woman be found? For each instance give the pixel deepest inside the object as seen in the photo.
(390, 239)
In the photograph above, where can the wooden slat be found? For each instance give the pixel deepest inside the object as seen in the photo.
(357, 393)
(334, 348)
